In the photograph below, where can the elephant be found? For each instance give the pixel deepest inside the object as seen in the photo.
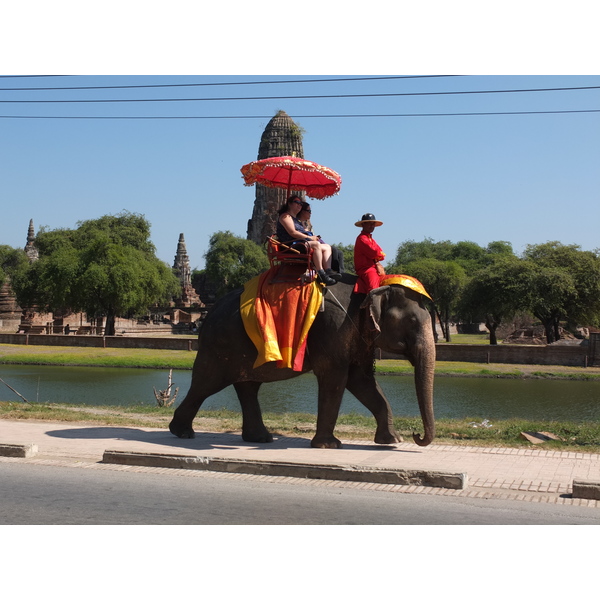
(340, 352)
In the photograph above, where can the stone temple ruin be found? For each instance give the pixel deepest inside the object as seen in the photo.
(10, 311)
(281, 137)
(181, 315)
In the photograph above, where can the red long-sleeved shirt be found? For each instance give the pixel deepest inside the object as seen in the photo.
(366, 253)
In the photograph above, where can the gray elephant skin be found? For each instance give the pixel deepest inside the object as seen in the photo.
(340, 352)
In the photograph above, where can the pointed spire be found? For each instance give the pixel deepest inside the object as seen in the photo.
(30, 249)
(181, 266)
(183, 271)
(30, 232)
(181, 249)
(281, 137)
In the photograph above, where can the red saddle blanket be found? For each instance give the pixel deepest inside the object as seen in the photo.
(277, 318)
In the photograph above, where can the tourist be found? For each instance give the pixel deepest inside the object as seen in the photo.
(337, 256)
(290, 230)
(367, 254)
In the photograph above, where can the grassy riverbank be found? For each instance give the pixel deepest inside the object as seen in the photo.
(581, 437)
(12, 354)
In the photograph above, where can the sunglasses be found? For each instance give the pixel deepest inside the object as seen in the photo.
(296, 202)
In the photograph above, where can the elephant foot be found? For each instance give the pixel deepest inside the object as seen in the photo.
(325, 441)
(388, 437)
(183, 432)
(263, 437)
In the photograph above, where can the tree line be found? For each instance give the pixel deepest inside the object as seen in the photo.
(552, 282)
(470, 284)
(107, 267)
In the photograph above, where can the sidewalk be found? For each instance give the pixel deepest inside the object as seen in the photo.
(529, 474)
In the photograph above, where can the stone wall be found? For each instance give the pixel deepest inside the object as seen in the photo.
(571, 356)
(594, 351)
(97, 341)
(574, 356)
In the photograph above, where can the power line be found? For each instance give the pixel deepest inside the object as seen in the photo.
(224, 83)
(29, 76)
(312, 97)
(353, 116)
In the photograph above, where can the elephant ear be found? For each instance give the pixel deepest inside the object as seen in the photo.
(373, 303)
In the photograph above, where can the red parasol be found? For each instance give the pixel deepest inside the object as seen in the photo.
(293, 173)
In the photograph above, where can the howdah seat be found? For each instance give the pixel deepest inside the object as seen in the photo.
(290, 262)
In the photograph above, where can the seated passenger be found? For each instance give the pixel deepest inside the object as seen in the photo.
(337, 257)
(289, 230)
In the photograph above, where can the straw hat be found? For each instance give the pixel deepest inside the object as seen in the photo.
(368, 218)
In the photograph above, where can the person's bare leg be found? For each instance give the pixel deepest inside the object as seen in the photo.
(317, 256)
(326, 256)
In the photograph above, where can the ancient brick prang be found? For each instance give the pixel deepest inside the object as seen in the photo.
(281, 137)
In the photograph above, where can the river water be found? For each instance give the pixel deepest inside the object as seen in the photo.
(455, 397)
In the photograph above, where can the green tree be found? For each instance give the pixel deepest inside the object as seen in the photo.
(499, 248)
(411, 251)
(107, 267)
(495, 293)
(348, 253)
(13, 263)
(564, 285)
(550, 289)
(469, 255)
(444, 281)
(231, 261)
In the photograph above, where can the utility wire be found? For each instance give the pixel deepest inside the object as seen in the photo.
(29, 76)
(355, 116)
(212, 84)
(387, 95)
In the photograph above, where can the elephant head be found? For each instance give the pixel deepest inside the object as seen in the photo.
(402, 325)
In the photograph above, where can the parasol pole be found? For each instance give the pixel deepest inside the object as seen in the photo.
(274, 241)
(289, 187)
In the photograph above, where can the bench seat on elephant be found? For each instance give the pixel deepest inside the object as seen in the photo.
(290, 262)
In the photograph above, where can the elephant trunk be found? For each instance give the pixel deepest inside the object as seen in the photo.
(424, 363)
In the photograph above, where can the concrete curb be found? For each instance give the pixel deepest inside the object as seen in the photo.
(18, 450)
(588, 490)
(454, 481)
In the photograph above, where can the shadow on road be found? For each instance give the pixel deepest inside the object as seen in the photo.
(202, 441)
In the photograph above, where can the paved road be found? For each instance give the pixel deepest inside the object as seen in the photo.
(70, 477)
(107, 495)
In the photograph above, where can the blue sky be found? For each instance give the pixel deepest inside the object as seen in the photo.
(522, 178)
(525, 178)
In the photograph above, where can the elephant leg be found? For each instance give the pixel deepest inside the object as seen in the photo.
(331, 391)
(253, 428)
(367, 391)
(183, 417)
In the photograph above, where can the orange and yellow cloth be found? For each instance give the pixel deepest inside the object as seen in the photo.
(277, 318)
